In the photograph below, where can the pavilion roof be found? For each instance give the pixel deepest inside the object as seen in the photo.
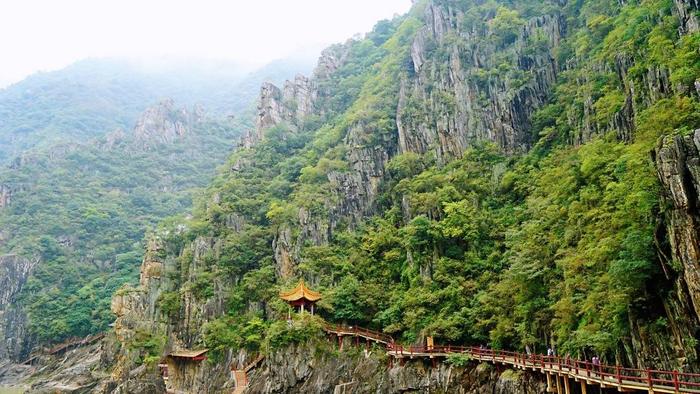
(188, 353)
(299, 292)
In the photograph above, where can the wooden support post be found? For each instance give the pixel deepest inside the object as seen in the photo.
(550, 389)
(340, 343)
(567, 389)
(558, 384)
(650, 381)
(584, 387)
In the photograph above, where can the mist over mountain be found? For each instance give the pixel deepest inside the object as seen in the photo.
(96, 96)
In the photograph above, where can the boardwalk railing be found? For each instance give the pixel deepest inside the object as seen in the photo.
(651, 380)
(359, 331)
(606, 375)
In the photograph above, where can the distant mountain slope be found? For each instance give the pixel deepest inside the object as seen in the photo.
(93, 97)
(81, 209)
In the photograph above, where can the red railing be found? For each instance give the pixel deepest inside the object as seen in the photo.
(610, 375)
(607, 374)
(359, 331)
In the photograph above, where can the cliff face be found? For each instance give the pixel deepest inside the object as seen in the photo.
(140, 320)
(459, 85)
(14, 272)
(319, 369)
(686, 10)
(453, 99)
(163, 123)
(678, 166)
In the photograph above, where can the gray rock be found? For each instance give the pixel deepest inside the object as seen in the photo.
(14, 272)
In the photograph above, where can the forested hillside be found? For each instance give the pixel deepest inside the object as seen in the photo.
(79, 210)
(511, 173)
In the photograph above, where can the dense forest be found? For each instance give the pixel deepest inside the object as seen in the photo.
(81, 209)
(483, 172)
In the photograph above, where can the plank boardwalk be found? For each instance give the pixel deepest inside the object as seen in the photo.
(558, 370)
(353, 331)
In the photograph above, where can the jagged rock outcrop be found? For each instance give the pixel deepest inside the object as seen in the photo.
(330, 60)
(164, 122)
(288, 106)
(318, 369)
(687, 10)
(678, 165)
(677, 159)
(453, 101)
(5, 196)
(139, 316)
(14, 272)
(356, 190)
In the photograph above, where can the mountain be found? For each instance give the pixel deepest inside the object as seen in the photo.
(521, 174)
(79, 210)
(96, 96)
(516, 174)
(87, 172)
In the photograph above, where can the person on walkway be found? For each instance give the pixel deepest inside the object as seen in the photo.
(550, 352)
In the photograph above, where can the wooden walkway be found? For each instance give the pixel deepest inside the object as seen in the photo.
(560, 370)
(354, 331)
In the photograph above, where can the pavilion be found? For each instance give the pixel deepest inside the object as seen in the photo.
(301, 297)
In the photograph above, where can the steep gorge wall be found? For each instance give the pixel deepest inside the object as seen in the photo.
(14, 272)
(454, 99)
(445, 104)
(316, 368)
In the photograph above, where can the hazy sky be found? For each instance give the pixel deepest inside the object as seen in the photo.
(49, 34)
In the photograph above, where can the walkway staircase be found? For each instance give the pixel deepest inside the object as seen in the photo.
(240, 376)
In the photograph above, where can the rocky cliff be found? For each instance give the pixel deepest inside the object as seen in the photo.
(141, 320)
(687, 12)
(14, 272)
(325, 161)
(316, 368)
(163, 123)
(453, 98)
(678, 166)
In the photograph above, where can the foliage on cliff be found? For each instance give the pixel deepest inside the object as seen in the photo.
(557, 245)
(83, 210)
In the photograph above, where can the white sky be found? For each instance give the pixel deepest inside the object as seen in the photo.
(50, 34)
